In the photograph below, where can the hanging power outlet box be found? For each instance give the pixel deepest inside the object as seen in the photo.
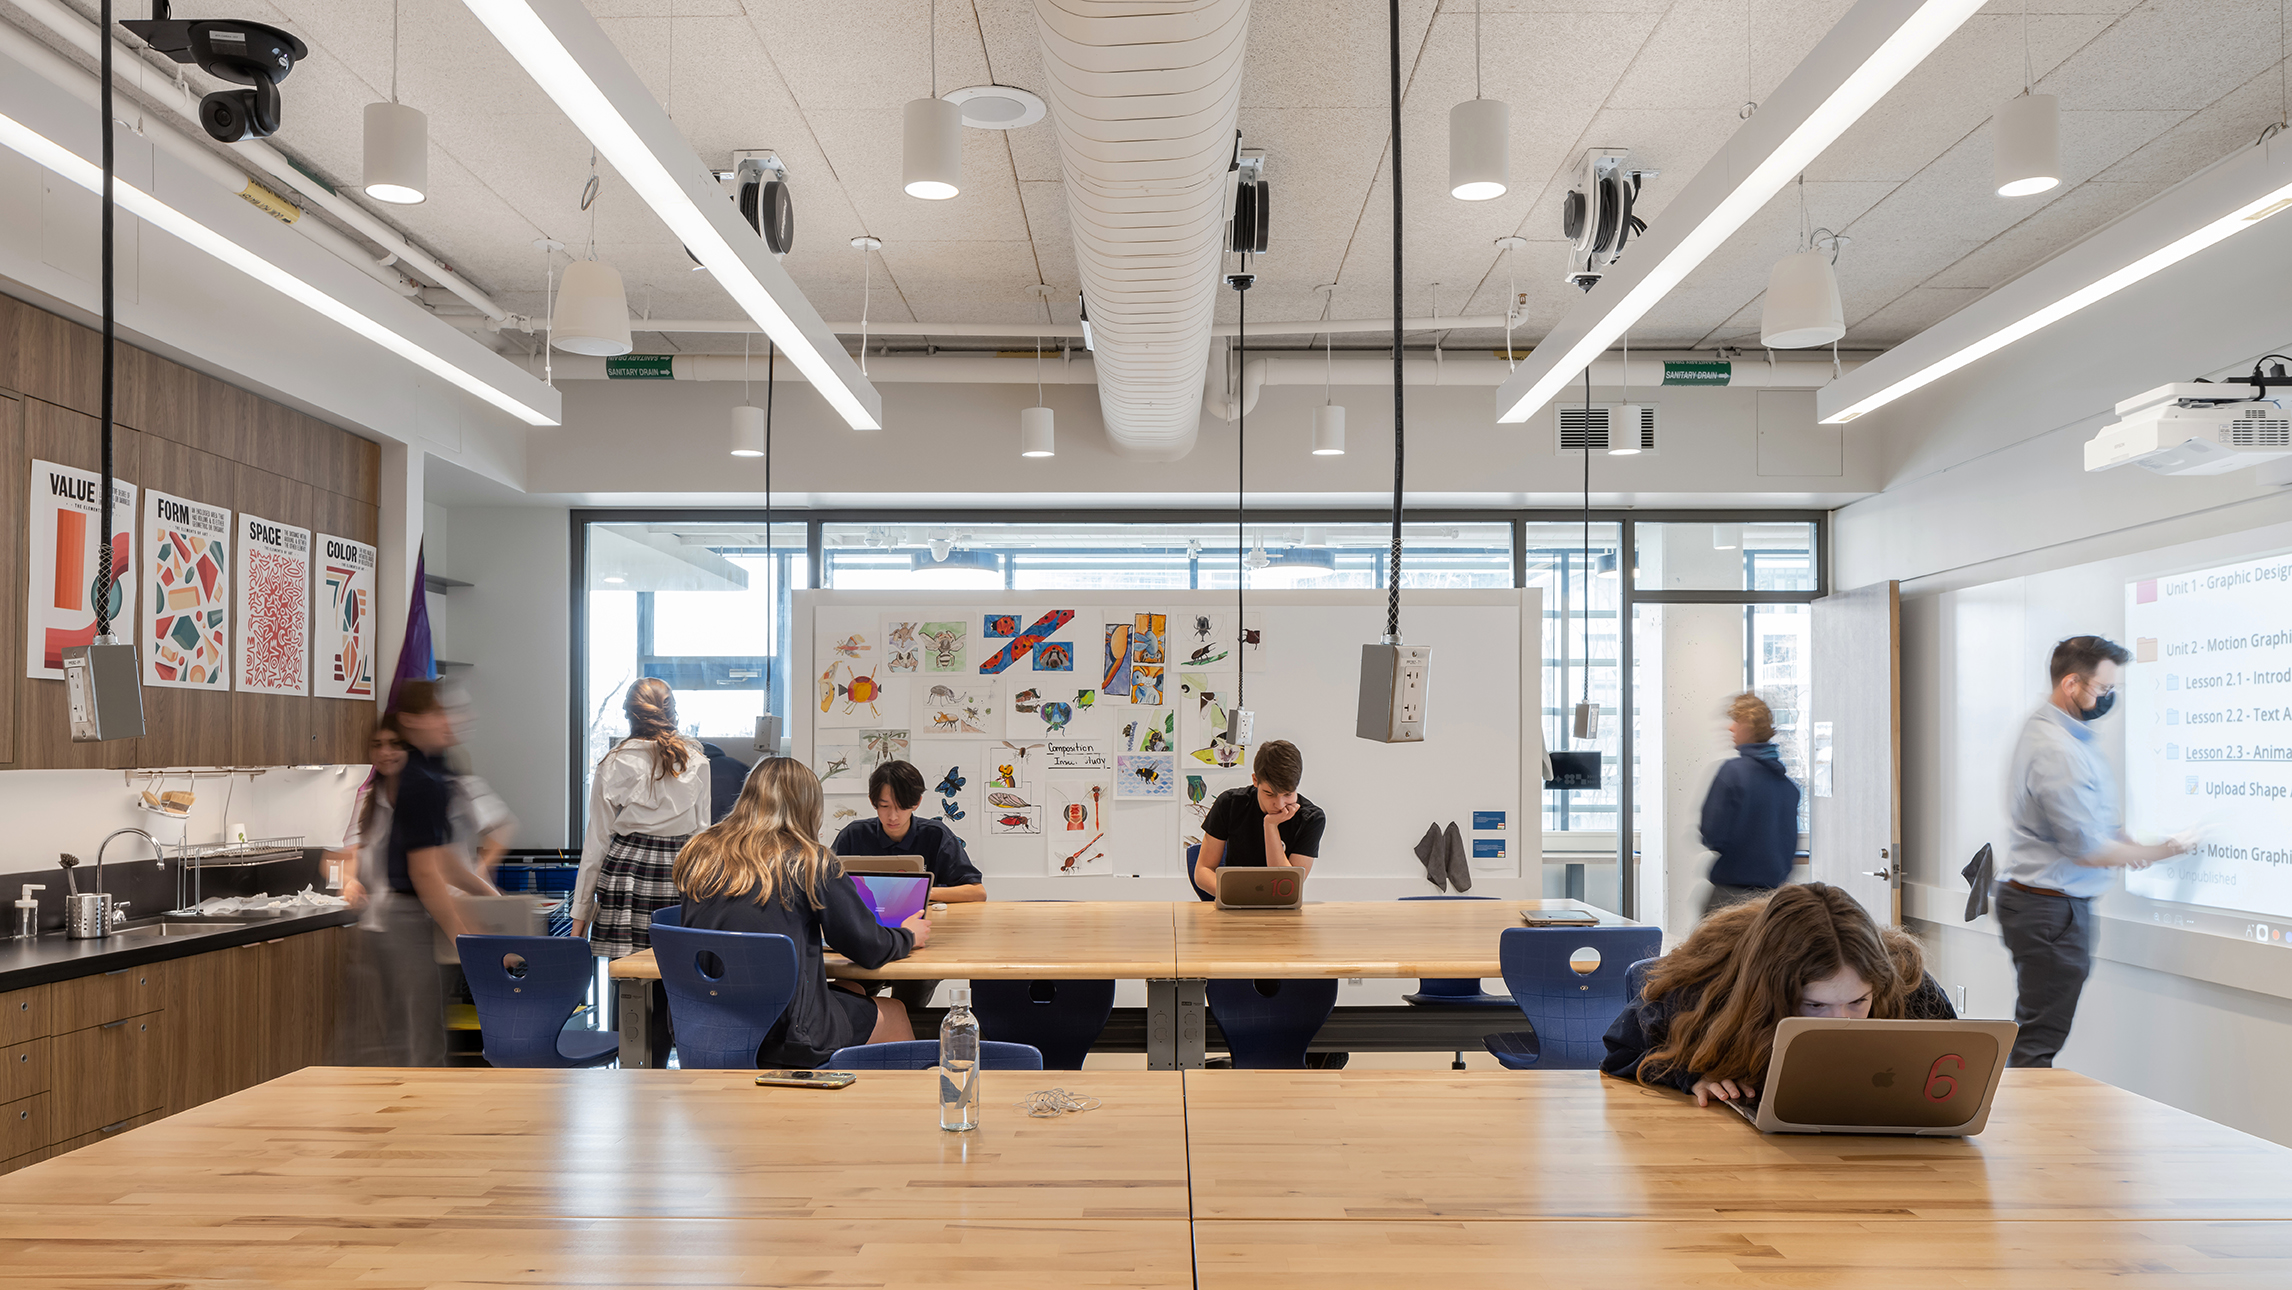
(1393, 681)
(104, 690)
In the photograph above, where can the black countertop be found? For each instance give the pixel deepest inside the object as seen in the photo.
(53, 957)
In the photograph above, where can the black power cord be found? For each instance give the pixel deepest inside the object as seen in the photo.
(1393, 580)
(1241, 283)
(103, 551)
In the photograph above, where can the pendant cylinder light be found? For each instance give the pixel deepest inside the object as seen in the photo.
(2028, 145)
(747, 431)
(931, 152)
(1802, 306)
(1479, 149)
(1037, 435)
(397, 154)
(1329, 431)
(1624, 435)
(592, 311)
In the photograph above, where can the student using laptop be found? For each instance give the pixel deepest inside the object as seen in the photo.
(1705, 1018)
(895, 789)
(763, 870)
(1266, 824)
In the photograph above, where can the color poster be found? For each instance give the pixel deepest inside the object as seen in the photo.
(65, 527)
(342, 649)
(186, 615)
(272, 588)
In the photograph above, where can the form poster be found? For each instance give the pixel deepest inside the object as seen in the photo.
(273, 589)
(66, 525)
(186, 612)
(342, 644)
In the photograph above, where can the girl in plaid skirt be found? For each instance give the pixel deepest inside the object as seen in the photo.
(647, 797)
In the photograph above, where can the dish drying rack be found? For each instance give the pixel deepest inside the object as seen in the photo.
(197, 859)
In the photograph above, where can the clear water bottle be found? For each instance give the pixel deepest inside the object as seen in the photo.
(959, 1065)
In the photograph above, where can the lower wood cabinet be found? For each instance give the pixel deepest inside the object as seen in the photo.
(110, 1074)
(24, 1126)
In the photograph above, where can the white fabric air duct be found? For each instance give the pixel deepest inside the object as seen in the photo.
(1144, 94)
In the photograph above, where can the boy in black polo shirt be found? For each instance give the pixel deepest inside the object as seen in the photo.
(1265, 824)
(895, 789)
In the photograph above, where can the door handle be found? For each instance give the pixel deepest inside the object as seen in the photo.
(1878, 873)
(111, 1024)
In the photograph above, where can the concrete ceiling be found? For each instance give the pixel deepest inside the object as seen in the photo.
(2150, 93)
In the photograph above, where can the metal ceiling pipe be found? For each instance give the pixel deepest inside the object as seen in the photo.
(984, 369)
(1144, 95)
(133, 71)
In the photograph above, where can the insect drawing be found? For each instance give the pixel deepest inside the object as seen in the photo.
(1007, 800)
(900, 638)
(1148, 774)
(1057, 715)
(946, 642)
(1021, 820)
(1027, 700)
(1054, 656)
(1250, 639)
(842, 813)
(952, 782)
(955, 711)
(857, 691)
(950, 809)
(1071, 861)
(852, 646)
(1006, 775)
(1144, 775)
(1002, 625)
(840, 766)
(1012, 821)
(884, 745)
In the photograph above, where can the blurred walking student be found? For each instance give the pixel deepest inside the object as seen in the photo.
(1705, 1019)
(363, 860)
(647, 797)
(421, 874)
(1751, 815)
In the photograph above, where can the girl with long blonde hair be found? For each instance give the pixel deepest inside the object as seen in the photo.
(646, 798)
(762, 869)
(1704, 1021)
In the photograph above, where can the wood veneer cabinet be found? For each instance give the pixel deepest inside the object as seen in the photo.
(96, 1056)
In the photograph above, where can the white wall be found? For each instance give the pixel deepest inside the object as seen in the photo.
(1984, 481)
(54, 811)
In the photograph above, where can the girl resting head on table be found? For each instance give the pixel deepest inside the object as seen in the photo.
(1704, 1020)
(762, 869)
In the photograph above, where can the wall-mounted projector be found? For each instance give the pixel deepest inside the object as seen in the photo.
(2194, 428)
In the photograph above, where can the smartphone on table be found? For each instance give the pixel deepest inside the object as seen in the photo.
(807, 1079)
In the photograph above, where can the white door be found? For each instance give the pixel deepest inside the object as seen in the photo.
(1854, 765)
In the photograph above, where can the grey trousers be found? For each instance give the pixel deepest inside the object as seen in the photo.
(2051, 940)
(397, 997)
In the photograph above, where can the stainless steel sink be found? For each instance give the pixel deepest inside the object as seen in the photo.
(172, 931)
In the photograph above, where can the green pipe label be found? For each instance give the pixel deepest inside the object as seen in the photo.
(1696, 373)
(661, 367)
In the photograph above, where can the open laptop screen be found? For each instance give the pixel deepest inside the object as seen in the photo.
(895, 898)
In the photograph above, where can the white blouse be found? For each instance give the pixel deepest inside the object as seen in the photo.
(626, 797)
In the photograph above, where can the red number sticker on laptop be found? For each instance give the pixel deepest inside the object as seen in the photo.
(1940, 1087)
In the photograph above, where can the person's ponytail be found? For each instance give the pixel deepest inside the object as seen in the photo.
(651, 709)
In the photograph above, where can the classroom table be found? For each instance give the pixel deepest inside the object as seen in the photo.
(1177, 948)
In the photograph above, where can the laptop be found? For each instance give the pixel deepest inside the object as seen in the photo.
(895, 898)
(1837, 1075)
(1260, 888)
(882, 864)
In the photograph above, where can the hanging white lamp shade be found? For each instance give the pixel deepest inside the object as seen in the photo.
(397, 154)
(1037, 433)
(747, 431)
(1624, 437)
(1329, 431)
(931, 149)
(592, 311)
(1802, 306)
(1479, 149)
(2028, 145)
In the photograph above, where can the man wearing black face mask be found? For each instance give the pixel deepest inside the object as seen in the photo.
(2068, 834)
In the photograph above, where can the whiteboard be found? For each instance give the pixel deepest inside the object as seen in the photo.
(1482, 753)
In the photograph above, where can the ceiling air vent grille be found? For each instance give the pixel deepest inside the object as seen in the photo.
(1598, 428)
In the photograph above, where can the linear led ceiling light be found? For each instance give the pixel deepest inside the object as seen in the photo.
(1866, 54)
(2217, 203)
(70, 166)
(573, 61)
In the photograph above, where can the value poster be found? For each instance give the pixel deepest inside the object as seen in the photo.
(342, 646)
(61, 592)
(186, 615)
(273, 590)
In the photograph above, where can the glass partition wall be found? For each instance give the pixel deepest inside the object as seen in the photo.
(702, 598)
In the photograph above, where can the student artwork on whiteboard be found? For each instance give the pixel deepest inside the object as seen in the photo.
(953, 707)
(1078, 754)
(273, 592)
(951, 795)
(1149, 658)
(946, 647)
(1014, 821)
(60, 588)
(1151, 731)
(1206, 639)
(902, 646)
(854, 647)
(1202, 789)
(1204, 705)
(1078, 828)
(1114, 670)
(840, 764)
(1011, 768)
(1145, 775)
(187, 564)
(880, 746)
(852, 695)
(1047, 707)
(1023, 642)
(837, 813)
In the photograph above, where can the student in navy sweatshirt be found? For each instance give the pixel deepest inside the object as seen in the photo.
(1751, 815)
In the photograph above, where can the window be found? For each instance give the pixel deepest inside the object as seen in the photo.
(1577, 569)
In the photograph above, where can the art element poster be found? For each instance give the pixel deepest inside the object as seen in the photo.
(946, 647)
(954, 707)
(342, 652)
(903, 645)
(1052, 707)
(273, 591)
(186, 615)
(1145, 775)
(1022, 644)
(60, 594)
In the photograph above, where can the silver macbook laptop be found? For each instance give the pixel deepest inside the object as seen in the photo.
(1834, 1075)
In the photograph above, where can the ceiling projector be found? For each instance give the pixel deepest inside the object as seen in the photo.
(2194, 428)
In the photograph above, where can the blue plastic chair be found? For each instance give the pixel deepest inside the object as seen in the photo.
(1062, 1018)
(725, 991)
(923, 1054)
(1269, 1024)
(1454, 990)
(1570, 1010)
(669, 916)
(1194, 857)
(523, 1006)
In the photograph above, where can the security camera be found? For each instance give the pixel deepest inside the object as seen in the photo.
(231, 49)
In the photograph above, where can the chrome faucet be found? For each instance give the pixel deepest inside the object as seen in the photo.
(158, 853)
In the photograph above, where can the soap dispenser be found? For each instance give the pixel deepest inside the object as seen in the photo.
(28, 912)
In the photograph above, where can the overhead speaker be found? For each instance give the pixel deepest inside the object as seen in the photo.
(765, 204)
(1252, 197)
